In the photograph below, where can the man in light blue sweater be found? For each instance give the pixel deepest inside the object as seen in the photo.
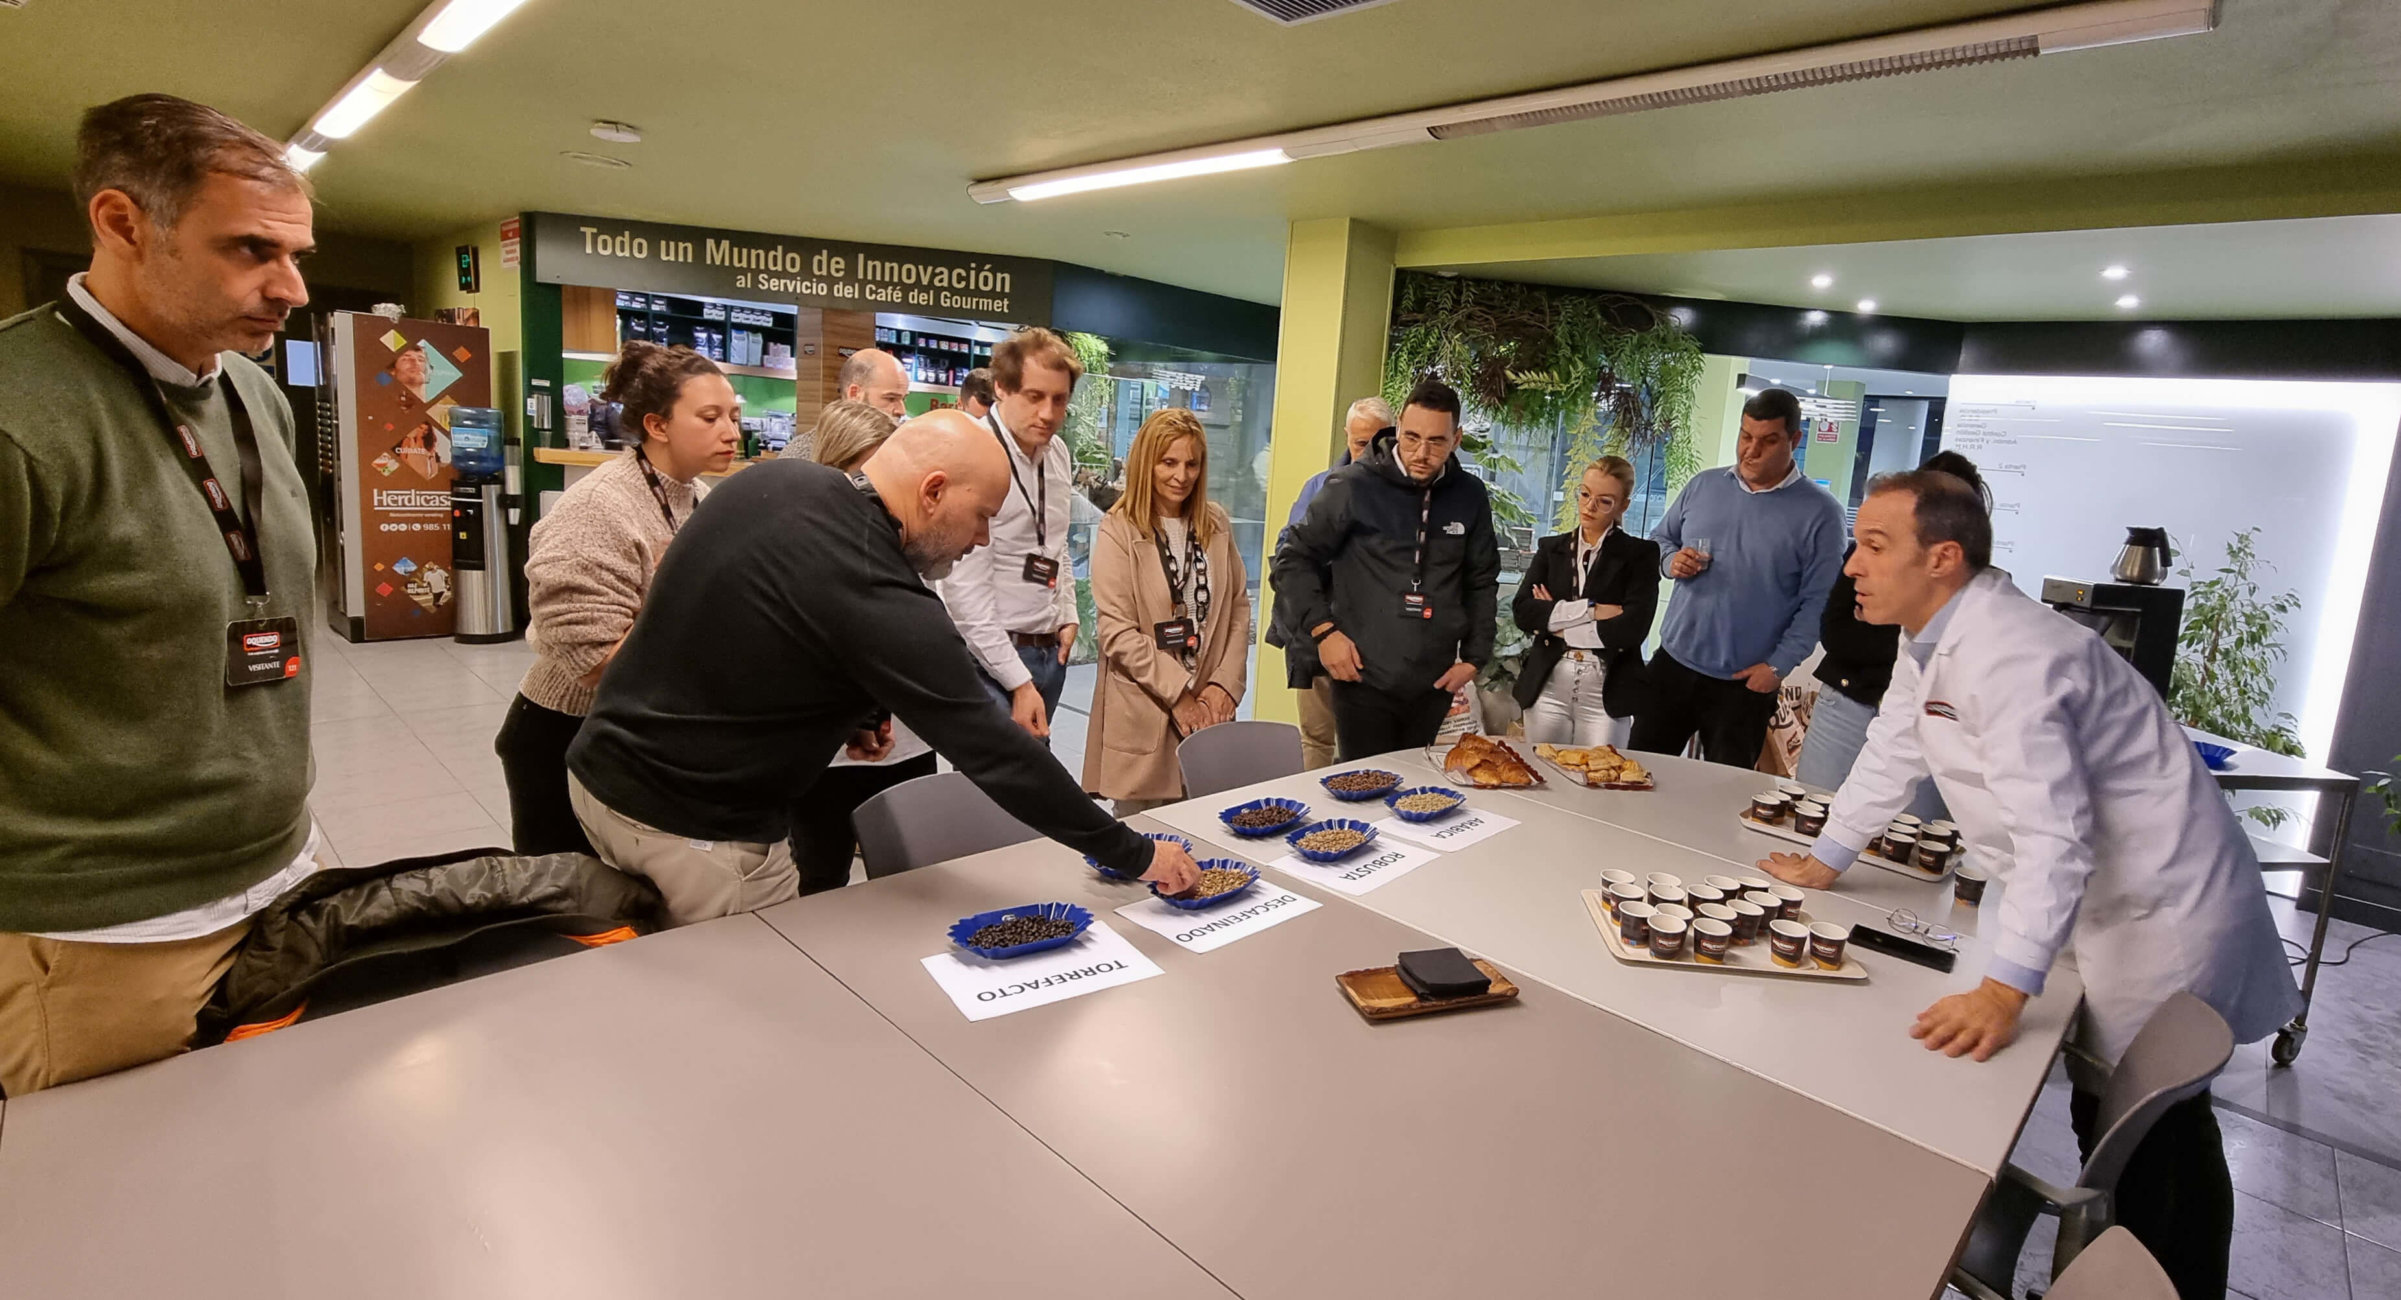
(1753, 549)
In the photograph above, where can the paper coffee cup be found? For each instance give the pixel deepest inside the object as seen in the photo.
(1696, 895)
(1788, 942)
(1710, 939)
(1967, 885)
(1788, 901)
(1666, 894)
(1771, 807)
(1658, 878)
(1726, 885)
(1634, 923)
(1667, 937)
(1614, 877)
(1676, 910)
(1749, 917)
(1826, 943)
(1620, 895)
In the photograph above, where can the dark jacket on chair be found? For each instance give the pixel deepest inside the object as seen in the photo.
(1625, 573)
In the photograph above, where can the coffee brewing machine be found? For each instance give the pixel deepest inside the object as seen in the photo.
(2136, 616)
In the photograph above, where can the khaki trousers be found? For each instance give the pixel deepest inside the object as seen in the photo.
(1317, 722)
(700, 879)
(69, 1011)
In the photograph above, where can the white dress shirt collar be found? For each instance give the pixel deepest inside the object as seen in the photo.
(1791, 477)
(163, 368)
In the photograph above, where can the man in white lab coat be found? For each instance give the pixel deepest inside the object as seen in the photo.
(2086, 802)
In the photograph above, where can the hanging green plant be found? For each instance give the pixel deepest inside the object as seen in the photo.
(1616, 373)
(1087, 440)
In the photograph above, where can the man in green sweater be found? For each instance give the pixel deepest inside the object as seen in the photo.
(156, 575)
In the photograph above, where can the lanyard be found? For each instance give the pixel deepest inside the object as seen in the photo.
(658, 491)
(1175, 578)
(1040, 504)
(1425, 511)
(241, 536)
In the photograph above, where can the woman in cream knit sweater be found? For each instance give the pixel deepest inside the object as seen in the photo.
(590, 566)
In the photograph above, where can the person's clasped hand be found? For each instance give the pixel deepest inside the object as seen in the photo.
(1190, 714)
(1340, 657)
(870, 744)
(1171, 868)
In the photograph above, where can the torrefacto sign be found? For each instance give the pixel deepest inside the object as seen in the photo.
(647, 256)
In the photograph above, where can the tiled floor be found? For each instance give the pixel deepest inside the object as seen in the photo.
(405, 767)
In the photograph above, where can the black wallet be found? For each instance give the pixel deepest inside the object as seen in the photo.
(1435, 974)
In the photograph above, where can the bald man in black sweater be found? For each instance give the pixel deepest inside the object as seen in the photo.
(786, 617)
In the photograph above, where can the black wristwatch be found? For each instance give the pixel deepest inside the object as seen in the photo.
(1319, 638)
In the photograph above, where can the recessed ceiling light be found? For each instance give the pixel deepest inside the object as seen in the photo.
(1908, 392)
(617, 132)
(2128, 302)
(2114, 271)
(594, 159)
(1821, 281)
(1814, 318)
(1867, 306)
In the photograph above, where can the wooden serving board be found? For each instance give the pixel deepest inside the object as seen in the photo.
(1379, 993)
(1740, 960)
(1910, 869)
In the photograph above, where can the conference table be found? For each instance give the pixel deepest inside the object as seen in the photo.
(788, 1102)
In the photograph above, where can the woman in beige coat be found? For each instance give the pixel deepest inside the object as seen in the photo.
(1175, 617)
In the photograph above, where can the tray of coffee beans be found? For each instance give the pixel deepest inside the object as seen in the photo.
(1161, 836)
(1221, 881)
(1261, 818)
(1330, 841)
(1016, 931)
(1362, 785)
(1424, 803)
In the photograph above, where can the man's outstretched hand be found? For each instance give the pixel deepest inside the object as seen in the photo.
(1171, 868)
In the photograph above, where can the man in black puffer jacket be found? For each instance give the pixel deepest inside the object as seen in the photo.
(1395, 575)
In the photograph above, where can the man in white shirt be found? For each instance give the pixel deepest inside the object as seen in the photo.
(874, 376)
(1014, 600)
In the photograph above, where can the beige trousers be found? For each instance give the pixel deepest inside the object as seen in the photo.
(1317, 723)
(69, 1010)
(700, 879)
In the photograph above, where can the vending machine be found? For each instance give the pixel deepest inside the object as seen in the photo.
(387, 396)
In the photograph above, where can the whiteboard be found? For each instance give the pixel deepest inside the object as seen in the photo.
(2074, 461)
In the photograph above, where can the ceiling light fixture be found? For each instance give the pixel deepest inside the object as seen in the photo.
(617, 132)
(1821, 281)
(2114, 272)
(1867, 306)
(438, 31)
(595, 159)
(1813, 318)
(461, 21)
(2128, 302)
(2056, 30)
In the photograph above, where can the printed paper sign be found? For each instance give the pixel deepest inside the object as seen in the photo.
(1457, 831)
(1370, 868)
(1100, 958)
(1215, 927)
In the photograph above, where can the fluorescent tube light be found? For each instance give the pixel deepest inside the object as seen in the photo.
(1112, 178)
(302, 159)
(2024, 35)
(461, 21)
(2129, 302)
(358, 107)
(1867, 306)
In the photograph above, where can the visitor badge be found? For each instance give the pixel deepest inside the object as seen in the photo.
(261, 650)
(1415, 605)
(1176, 634)
(1042, 571)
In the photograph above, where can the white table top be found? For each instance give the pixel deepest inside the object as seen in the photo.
(703, 1112)
(1517, 899)
(1238, 1104)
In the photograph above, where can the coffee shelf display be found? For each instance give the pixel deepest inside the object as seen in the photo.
(1739, 959)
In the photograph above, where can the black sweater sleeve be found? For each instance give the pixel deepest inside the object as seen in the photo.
(1859, 656)
(1532, 613)
(903, 649)
(1638, 594)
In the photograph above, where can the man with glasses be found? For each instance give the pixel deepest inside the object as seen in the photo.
(1393, 572)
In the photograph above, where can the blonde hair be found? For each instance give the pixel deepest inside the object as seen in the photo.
(848, 431)
(1616, 467)
(1139, 505)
